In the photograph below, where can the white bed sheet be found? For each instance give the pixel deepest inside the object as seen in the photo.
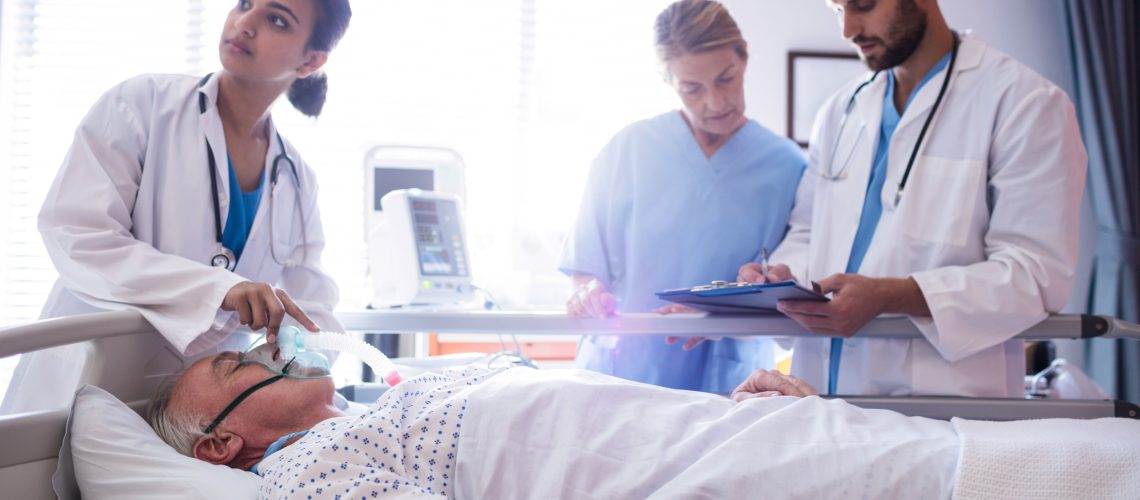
(577, 434)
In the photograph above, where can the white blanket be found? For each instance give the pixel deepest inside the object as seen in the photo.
(1056, 458)
(576, 434)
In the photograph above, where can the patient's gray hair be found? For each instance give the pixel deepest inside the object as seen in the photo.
(177, 427)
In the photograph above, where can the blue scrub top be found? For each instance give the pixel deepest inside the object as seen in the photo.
(658, 214)
(239, 218)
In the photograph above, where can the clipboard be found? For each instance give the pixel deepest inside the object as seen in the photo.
(741, 298)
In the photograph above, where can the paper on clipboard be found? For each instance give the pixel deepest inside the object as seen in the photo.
(740, 298)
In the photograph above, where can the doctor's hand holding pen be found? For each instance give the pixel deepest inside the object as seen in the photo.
(753, 272)
(590, 298)
(260, 305)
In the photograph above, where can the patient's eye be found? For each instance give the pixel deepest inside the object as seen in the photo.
(232, 361)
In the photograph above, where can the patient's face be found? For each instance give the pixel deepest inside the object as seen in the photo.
(213, 382)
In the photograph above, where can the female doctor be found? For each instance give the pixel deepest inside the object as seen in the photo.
(661, 201)
(179, 199)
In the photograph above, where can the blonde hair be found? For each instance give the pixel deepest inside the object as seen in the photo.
(695, 26)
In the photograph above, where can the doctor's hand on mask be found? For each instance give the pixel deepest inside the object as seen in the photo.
(590, 298)
(260, 305)
(855, 301)
(764, 383)
(753, 273)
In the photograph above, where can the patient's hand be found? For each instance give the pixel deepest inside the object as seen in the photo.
(763, 383)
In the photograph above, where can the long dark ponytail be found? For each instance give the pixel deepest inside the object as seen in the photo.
(308, 94)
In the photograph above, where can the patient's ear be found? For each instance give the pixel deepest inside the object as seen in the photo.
(218, 448)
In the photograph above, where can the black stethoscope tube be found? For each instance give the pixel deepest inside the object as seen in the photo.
(925, 125)
(929, 118)
(225, 257)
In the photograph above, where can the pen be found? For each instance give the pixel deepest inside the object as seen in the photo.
(764, 263)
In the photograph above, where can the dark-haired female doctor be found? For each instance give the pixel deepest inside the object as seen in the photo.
(179, 199)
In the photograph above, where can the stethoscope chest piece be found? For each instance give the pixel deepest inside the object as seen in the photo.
(224, 259)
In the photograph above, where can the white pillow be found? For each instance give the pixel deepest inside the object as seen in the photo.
(117, 455)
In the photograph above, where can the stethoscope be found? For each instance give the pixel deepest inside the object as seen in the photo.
(842, 173)
(224, 257)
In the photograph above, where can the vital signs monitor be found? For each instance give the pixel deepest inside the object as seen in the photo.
(423, 256)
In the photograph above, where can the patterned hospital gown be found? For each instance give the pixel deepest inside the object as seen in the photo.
(404, 446)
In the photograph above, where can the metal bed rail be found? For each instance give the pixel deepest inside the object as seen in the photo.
(1056, 327)
(1062, 326)
(69, 330)
(947, 407)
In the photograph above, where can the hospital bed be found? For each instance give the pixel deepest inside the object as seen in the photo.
(127, 358)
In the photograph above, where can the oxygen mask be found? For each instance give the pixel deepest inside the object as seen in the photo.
(295, 364)
(295, 354)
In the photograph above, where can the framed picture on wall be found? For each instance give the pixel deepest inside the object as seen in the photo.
(812, 78)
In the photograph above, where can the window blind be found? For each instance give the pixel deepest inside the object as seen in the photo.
(56, 58)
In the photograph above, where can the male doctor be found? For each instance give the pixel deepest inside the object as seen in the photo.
(947, 188)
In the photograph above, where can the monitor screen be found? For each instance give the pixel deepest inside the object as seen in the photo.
(388, 179)
(439, 237)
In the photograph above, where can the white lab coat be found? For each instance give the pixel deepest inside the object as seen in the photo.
(987, 225)
(129, 224)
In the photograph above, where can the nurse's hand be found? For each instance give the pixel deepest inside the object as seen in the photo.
(764, 383)
(752, 273)
(676, 309)
(690, 342)
(260, 305)
(855, 301)
(591, 299)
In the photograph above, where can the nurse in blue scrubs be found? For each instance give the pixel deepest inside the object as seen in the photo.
(681, 199)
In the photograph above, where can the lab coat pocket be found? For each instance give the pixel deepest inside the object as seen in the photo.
(939, 203)
(285, 223)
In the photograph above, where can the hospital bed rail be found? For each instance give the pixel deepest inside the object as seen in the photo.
(1056, 327)
(125, 355)
(1062, 326)
(74, 329)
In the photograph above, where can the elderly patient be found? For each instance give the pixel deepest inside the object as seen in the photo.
(480, 432)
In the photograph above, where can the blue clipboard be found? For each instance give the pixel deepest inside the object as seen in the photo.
(741, 298)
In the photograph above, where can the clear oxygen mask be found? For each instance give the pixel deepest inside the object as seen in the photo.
(296, 364)
(295, 354)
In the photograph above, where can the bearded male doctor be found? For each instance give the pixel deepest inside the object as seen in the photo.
(947, 188)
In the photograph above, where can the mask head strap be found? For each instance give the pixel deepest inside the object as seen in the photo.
(241, 397)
